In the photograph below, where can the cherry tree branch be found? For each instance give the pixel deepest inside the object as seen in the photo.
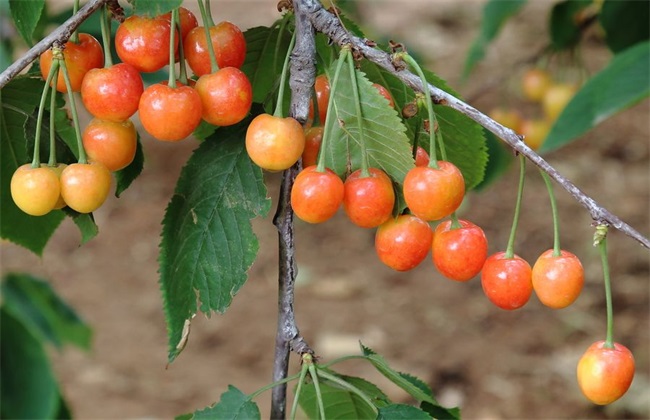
(327, 23)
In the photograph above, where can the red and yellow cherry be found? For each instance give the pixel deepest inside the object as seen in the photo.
(421, 157)
(507, 281)
(534, 84)
(226, 96)
(604, 373)
(229, 47)
(274, 143)
(187, 18)
(510, 118)
(35, 191)
(85, 186)
(534, 132)
(558, 280)
(403, 243)
(313, 139)
(556, 99)
(112, 93)
(322, 89)
(459, 253)
(143, 42)
(170, 114)
(368, 200)
(79, 59)
(432, 194)
(385, 93)
(111, 143)
(316, 196)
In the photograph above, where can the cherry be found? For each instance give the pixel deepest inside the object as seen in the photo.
(226, 96)
(143, 42)
(556, 99)
(316, 196)
(170, 114)
(421, 157)
(274, 143)
(229, 47)
(510, 118)
(112, 93)
(35, 191)
(507, 281)
(111, 143)
(385, 93)
(322, 89)
(313, 139)
(368, 200)
(605, 374)
(85, 186)
(534, 84)
(79, 59)
(534, 132)
(432, 194)
(558, 280)
(459, 254)
(187, 18)
(404, 242)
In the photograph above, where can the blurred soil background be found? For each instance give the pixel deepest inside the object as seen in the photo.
(494, 364)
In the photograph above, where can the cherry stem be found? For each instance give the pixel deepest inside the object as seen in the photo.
(73, 107)
(206, 19)
(171, 82)
(327, 128)
(319, 396)
(75, 35)
(557, 251)
(455, 224)
(303, 374)
(273, 385)
(208, 11)
(278, 44)
(52, 161)
(105, 25)
(283, 78)
(357, 104)
(510, 250)
(36, 160)
(600, 239)
(181, 53)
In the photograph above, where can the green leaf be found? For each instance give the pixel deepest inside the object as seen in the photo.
(29, 389)
(26, 15)
(339, 403)
(495, 14)
(563, 26)
(126, 176)
(17, 102)
(500, 158)
(207, 241)
(625, 23)
(155, 7)
(85, 222)
(402, 412)
(440, 412)
(43, 312)
(233, 404)
(623, 83)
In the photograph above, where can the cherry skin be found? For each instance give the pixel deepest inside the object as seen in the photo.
(79, 59)
(459, 254)
(510, 118)
(58, 170)
(385, 93)
(556, 99)
(170, 114)
(403, 243)
(534, 132)
(143, 42)
(187, 18)
(35, 190)
(369, 200)
(316, 196)
(226, 96)
(112, 93)
(432, 194)
(421, 157)
(111, 143)
(558, 281)
(507, 281)
(229, 47)
(85, 186)
(534, 84)
(322, 89)
(274, 143)
(313, 139)
(605, 374)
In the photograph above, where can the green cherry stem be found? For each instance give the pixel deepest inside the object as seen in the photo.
(105, 25)
(52, 160)
(278, 44)
(319, 395)
(36, 160)
(206, 19)
(182, 75)
(73, 107)
(600, 239)
(557, 251)
(455, 224)
(208, 12)
(171, 82)
(75, 35)
(357, 105)
(273, 385)
(303, 374)
(510, 250)
(283, 78)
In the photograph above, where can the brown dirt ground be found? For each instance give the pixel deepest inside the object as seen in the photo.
(494, 364)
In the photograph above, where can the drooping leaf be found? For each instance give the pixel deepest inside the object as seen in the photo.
(207, 241)
(233, 405)
(402, 412)
(85, 223)
(625, 23)
(495, 14)
(29, 389)
(126, 176)
(155, 7)
(440, 412)
(338, 402)
(564, 25)
(623, 83)
(43, 312)
(26, 15)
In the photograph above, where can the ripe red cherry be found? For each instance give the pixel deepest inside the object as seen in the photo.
(421, 157)
(226, 96)
(385, 93)
(432, 194)
(605, 374)
(507, 281)
(170, 114)
(558, 281)
(111, 143)
(274, 143)
(229, 47)
(85, 186)
(35, 190)
(403, 243)
(322, 89)
(187, 18)
(316, 196)
(369, 200)
(79, 59)
(313, 139)
(459, 254)
(112, 93)
(143, 42)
